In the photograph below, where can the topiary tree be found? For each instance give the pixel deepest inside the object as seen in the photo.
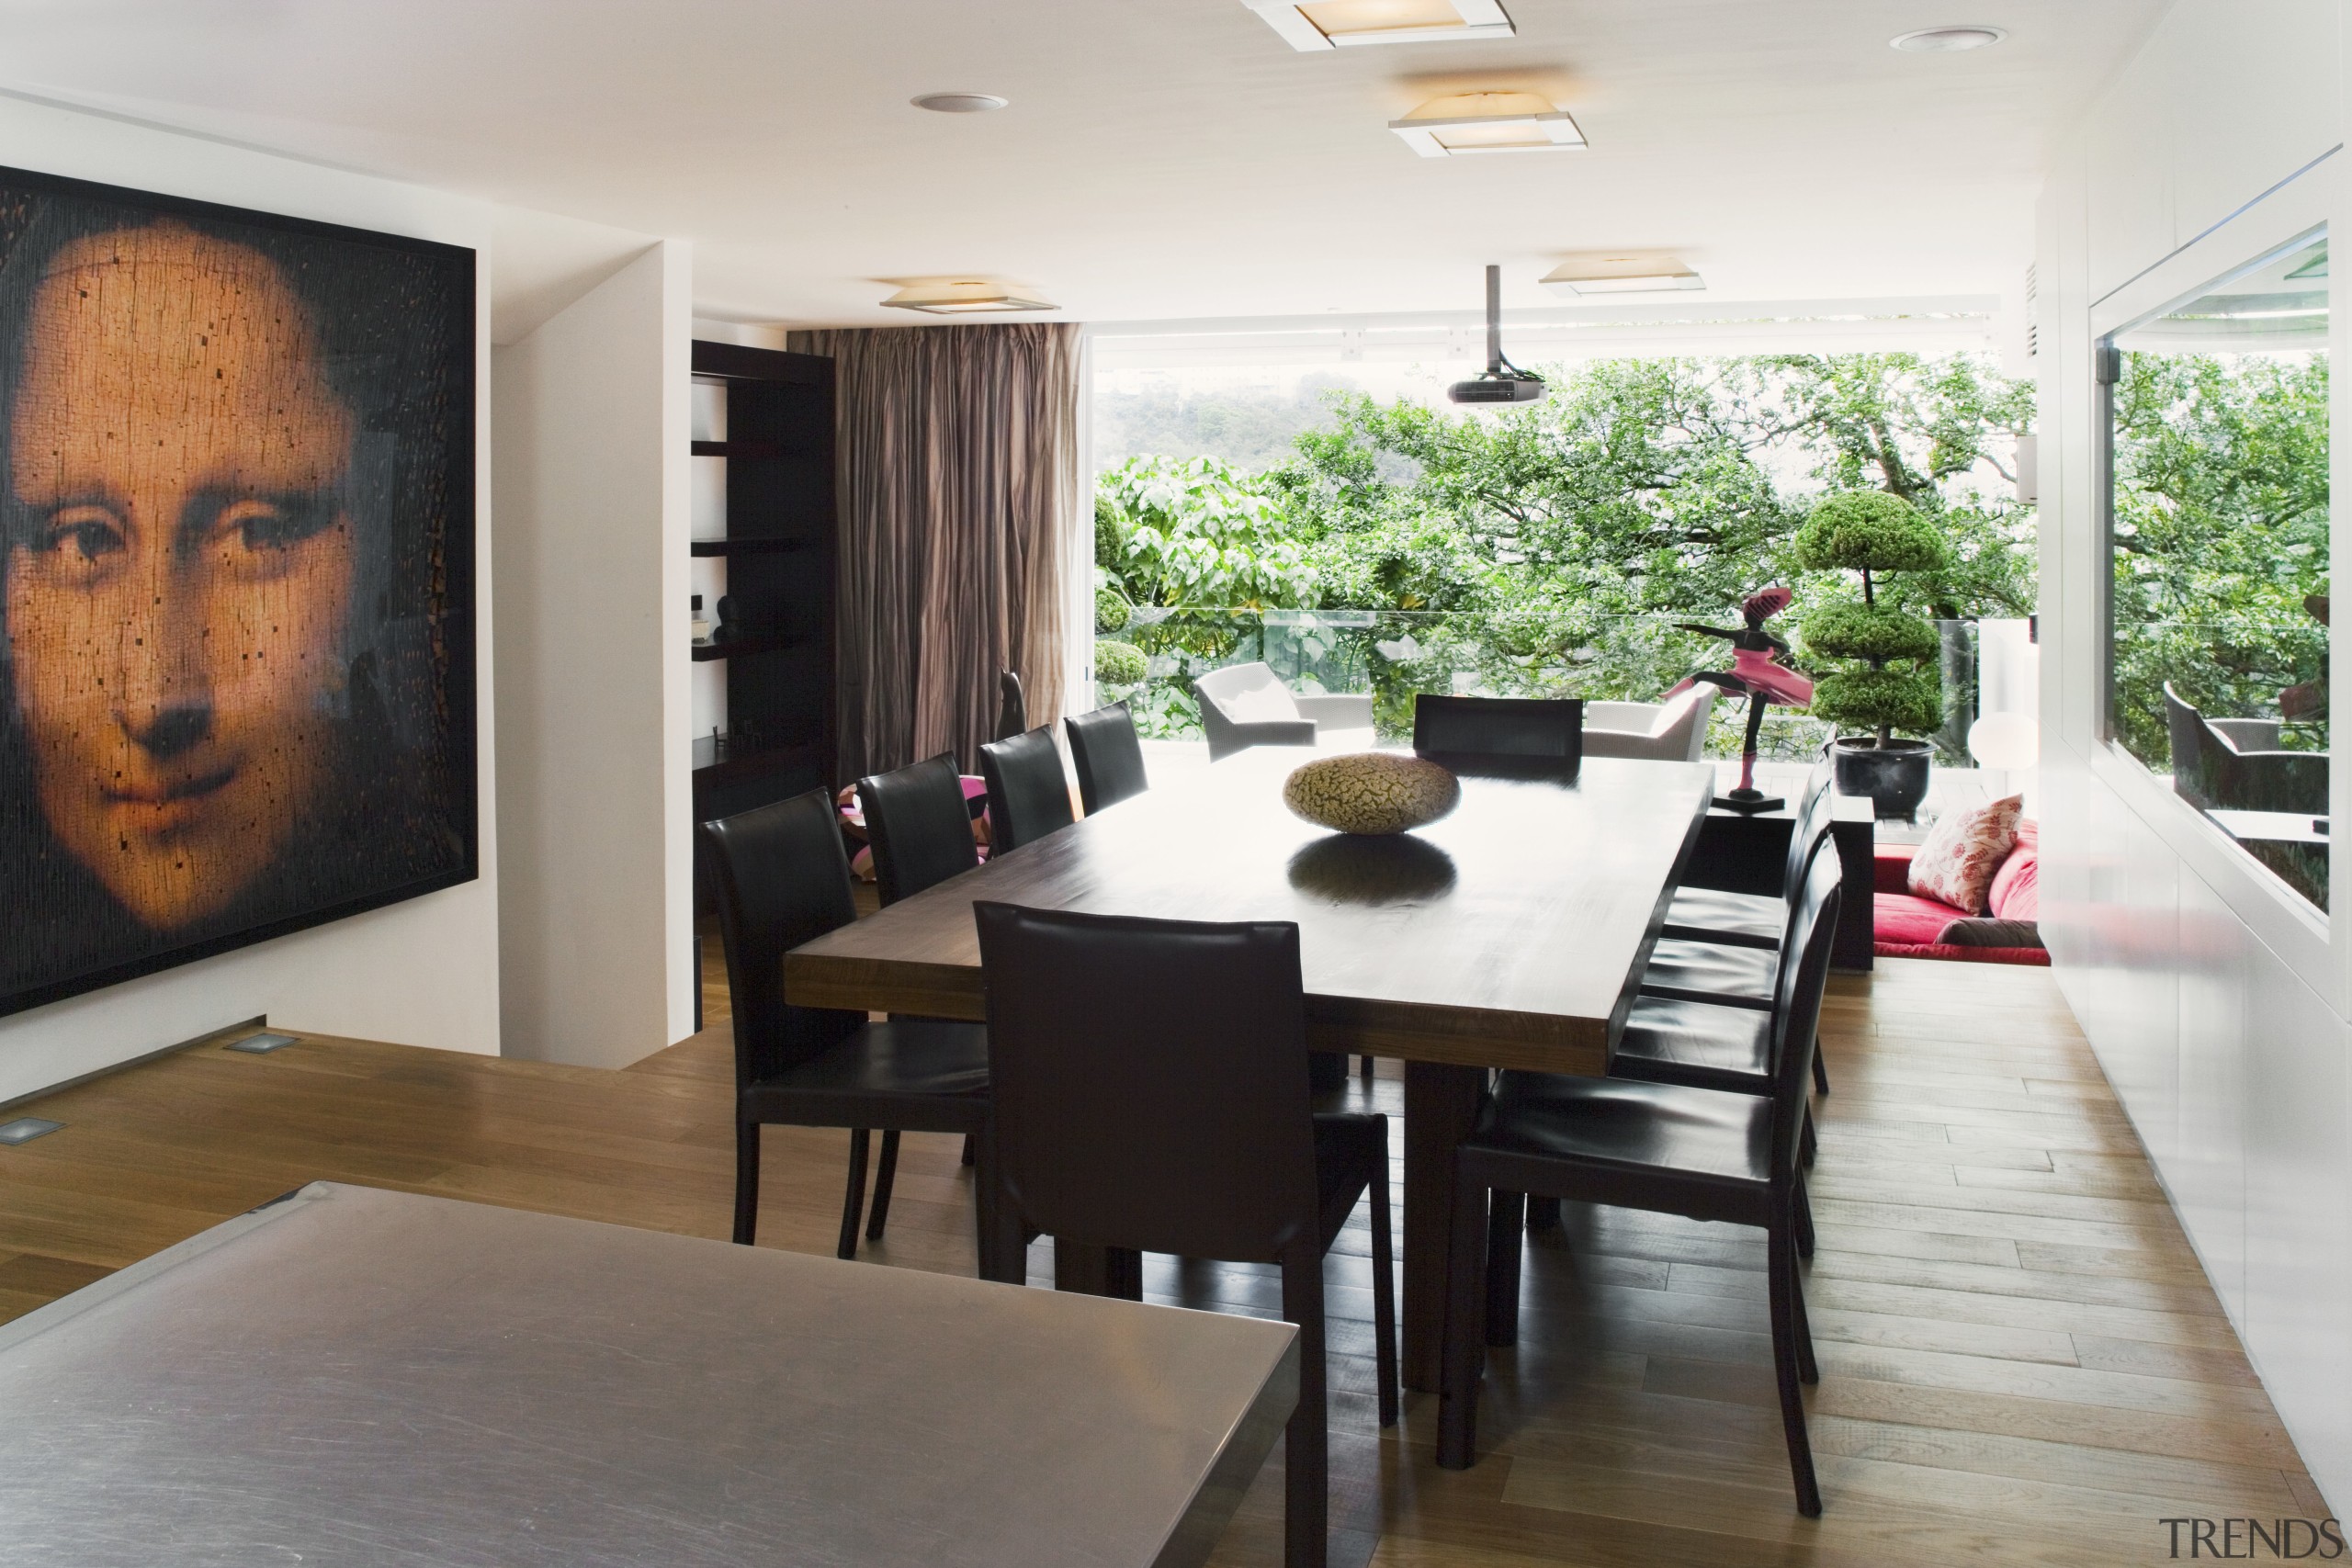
(1871, 532)
(1119, 663)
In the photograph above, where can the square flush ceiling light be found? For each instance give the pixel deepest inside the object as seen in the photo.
(1622, 275)
(965, 297)
(1488, 122)
(1326, 24)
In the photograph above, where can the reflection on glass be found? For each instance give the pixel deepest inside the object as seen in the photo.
(2218, 596)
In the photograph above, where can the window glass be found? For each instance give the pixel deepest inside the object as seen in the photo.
(2218, 537)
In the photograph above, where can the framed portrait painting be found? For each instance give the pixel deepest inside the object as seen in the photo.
(236, 578)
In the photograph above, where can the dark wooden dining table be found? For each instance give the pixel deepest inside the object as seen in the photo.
(1511, 933)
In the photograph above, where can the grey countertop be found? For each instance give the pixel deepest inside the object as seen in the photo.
(356, 1376)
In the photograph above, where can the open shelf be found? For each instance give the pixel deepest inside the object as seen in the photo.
(744, 547)
(741, 649)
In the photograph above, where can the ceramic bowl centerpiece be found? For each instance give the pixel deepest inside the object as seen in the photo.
(1371, 792)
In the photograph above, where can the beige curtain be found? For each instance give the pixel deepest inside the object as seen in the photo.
(959, 484)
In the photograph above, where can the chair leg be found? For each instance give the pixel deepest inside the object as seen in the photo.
(1809, 1144)
(1542, 1214)
(1457, 1410)
(1003, 1250)
(1820, 1070)
(855, 1203)
(747, 1180)
(886, 1172)
(1808, 1369)
(1803, 1218)
(1505, 1217)
(1783, 1292)
(1306, 1444)
(971, 1147)
(1365, 1071)
(1383, 1298)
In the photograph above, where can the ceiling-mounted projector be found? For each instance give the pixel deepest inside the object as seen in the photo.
(1501, 381)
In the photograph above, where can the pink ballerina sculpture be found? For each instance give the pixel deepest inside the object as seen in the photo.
(1756, 671)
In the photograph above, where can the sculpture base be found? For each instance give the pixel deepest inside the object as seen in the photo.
(1749, 802)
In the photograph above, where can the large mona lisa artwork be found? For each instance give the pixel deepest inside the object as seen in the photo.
(236, 686)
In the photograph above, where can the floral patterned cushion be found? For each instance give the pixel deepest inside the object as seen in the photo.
(1964, 852)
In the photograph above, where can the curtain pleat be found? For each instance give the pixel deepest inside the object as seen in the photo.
(959, 475)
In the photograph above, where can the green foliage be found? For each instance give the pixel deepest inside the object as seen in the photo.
(1868, 530)
(1195, 531)
(1110, 536)
(1865, 631)
(1113, 611)
(1541, 550)
(1883, 699)
(2220, 532)
(1119, 663)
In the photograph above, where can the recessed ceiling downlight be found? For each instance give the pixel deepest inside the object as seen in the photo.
(1948, 40)
(959, 103)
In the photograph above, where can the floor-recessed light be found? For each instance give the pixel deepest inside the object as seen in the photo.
(25, 1129)
(959, 103)
(260, 1044)
(1948, 40)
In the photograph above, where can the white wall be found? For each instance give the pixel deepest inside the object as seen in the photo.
(2217, 1001)
(424, 971)
(590, 417)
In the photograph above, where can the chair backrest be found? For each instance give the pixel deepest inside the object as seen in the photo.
(781, 879)
(1500, 727)
(1011, 707)
(1805, 836)
(918, 825)
(1249, 693)
(1108, 757)
(1028, 792)
(2192, 758)
(1672, 731)
(1150, 1080)
(1796, 1021)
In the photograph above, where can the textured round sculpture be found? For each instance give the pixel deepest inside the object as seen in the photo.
(1371, 791)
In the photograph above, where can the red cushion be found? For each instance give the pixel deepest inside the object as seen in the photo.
(2016, 893)
(1961, 955)
(1891, 867)
(1907, 917)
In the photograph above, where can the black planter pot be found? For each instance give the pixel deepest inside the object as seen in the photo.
(1895, 778)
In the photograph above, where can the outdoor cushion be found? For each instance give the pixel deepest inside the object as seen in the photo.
(1260, 704)
(2016, 893)
(1953, 953)
(1903, 918)
(1957, 864)
(1973, 931)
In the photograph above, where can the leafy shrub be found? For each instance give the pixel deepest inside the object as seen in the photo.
(1862, 631)
(1119, 663)
(1111, 612)
(1871, 532)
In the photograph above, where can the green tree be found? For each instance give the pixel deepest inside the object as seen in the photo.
(1871, 533)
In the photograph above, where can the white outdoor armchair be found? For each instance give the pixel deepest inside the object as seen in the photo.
(1245, 706)
(1672, 731)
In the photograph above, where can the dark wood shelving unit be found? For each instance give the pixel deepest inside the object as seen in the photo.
(779, 551)
(743, 546)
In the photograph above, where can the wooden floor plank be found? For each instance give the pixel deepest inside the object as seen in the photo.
(2021, 1362)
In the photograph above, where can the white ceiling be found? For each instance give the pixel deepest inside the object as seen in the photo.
(1161, 158)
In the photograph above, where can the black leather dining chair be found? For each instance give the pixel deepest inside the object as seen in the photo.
(1549, 727)
(1690, 961)
(1011, 707)
(1028, 792)
(1107, 755)
(919, 827)
(783, 880)
(1151, 1096)
(1704, 1153)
